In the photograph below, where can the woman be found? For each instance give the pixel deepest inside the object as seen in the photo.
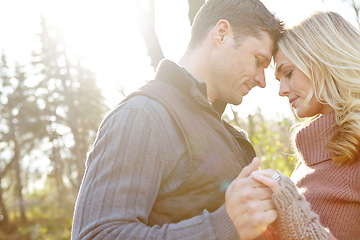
(318, 66)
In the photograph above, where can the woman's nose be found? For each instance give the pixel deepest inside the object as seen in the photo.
(284, 88)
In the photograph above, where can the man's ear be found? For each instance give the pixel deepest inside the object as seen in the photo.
(221, 31)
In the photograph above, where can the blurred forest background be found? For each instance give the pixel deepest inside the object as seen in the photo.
(50, 110)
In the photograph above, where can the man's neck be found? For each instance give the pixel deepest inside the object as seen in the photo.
(196, 63)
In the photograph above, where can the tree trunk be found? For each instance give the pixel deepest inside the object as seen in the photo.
(147, 29)
(19, 186)
(4, 212)
(73, 121)
(16, 162)
(357, 10)
(58, 174)
(194, 6)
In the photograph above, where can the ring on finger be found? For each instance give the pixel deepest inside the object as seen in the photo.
(276, 176)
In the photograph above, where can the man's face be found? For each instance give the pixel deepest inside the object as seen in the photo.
(236, 70)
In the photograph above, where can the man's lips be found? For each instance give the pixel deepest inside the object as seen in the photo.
(247, 90)
(249, 86)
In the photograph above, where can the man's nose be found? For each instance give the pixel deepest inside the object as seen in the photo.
(260, 79)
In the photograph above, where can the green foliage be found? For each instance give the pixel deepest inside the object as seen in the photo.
(270, 139)
(274, 149)
(72, 104)
(49, 115)
(47, 218)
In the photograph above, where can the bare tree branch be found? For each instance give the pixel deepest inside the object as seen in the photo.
(147, 29)
(194, 6)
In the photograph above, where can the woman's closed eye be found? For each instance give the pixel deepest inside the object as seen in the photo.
(288, 75)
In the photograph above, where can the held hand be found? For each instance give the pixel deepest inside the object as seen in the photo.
(266, 177)
(248, 204)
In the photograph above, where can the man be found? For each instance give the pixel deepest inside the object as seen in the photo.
(163, 159)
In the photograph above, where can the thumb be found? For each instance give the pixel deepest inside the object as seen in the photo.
(253, 166)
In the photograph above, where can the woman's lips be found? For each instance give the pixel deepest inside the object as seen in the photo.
(292, 101)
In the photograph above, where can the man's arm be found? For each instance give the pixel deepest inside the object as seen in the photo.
(131, 158)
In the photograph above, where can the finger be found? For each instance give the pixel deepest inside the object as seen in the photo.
(253, 166)
(265, 217)
(249, 188)
(256, 208)
(270, 216)
(268, 181)
(250, 182)
(262, 206)
(262, 193)
(269, 205)
(246, 184)
(267, 172)
(261, 227)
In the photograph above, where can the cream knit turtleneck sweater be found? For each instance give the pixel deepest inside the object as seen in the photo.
(333, 191)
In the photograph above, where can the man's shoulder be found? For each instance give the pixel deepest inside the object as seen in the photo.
(141, 105)
(138, 108)
(139, 102)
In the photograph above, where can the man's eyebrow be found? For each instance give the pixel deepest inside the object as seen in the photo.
(267, 59)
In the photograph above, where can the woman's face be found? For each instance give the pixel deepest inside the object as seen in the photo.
(295, 85)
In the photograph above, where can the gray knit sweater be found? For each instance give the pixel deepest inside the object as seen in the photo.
(137, 131)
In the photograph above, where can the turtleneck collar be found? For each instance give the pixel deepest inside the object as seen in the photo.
(311, 140)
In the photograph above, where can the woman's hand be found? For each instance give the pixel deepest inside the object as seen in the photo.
(269, 178)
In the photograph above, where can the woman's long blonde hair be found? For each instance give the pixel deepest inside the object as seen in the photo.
(326, 48)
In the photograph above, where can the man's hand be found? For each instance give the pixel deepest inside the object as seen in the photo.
(248, 204)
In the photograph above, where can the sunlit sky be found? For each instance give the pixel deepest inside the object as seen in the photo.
(104, 35)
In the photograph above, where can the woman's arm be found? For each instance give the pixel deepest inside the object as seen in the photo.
(295, 220)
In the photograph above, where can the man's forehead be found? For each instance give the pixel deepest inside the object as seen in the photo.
(267, 42)
(266, 49)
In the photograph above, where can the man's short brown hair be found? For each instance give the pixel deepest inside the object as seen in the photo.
(246, 17)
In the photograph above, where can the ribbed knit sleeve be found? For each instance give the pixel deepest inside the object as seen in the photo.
(295, 220)
(137, 155)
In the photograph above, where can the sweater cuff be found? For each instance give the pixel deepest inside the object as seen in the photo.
(224, 227)
(287, 195)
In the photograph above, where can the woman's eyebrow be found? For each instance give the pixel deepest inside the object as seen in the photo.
(279, 68)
